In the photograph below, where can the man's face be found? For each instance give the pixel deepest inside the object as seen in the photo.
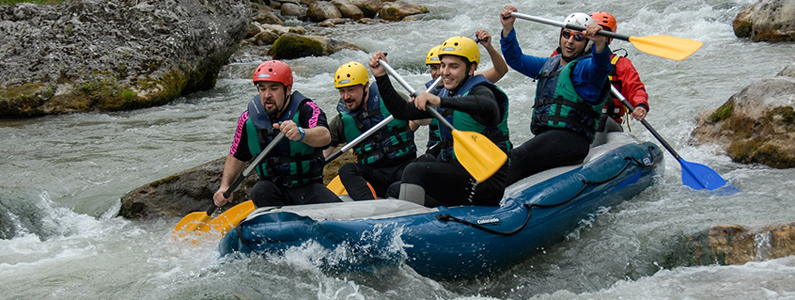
(434, 71)
(272, 95)
(454, 71)
(353, 96)
(572, 44)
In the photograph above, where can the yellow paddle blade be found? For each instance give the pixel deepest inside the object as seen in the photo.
(192, 221)
(665, 46)
(336, 186)
(230, 218)
(479, 156)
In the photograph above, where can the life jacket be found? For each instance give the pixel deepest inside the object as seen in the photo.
(395, 140)
(433, 128)
(462, 121)
(558, 105)
(290, 163)
(615, 109)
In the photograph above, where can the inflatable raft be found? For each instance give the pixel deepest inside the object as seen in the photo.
(465, 241)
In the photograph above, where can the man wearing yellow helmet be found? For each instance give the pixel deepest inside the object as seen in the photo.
(384, 154)
(472, 103)
(292, 173)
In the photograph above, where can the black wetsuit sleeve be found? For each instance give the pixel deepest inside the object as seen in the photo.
(397, 106)
(480, 103)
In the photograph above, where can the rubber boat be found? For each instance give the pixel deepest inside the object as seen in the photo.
(460, 242)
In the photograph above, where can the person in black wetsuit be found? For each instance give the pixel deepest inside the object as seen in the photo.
(473, 104)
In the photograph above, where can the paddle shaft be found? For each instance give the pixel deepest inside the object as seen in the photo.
(375, 128)
(631, 109)
(568, 26)
(253, 165)
(413, 93)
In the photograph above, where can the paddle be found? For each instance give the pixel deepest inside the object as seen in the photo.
(336, 185)
(659, 45)
(474, 151)
(197, 221)
(694, 175)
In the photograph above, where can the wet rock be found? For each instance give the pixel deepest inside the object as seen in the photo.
(182, 193)
(291, 46)
(737, 244)
(348, 9)
(265, 15)
(293, 10)
(767, 20)
(189, 191)
(369, 7)
(98, 55)
(396, 11)
(756, 125)
(322, 10)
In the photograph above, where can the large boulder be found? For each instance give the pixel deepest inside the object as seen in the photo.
(396, 11)
(322, 10)
(756, 125)
(733, 245)
(291, 46)
(107, 55)
(348, 9)
(188, 191)
(767, 20)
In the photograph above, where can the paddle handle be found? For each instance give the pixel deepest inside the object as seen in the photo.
(253, 165)
(631, 109)
(568, 26)
(360, 138)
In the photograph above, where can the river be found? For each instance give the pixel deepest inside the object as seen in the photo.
(62, 177)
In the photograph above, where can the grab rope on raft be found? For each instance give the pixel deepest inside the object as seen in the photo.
(629, 159)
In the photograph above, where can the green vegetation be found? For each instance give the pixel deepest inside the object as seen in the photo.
(7, 2)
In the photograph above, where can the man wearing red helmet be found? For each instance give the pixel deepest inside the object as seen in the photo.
(292, 173)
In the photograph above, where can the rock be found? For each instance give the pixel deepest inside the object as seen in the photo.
(396, 11)
(756, 125)
(180, 194)
(108, 55)
(293, 10)
(767, 20)
(291, 46)
(737, 245)
(322, 10)
(369, 7)
(189, 191)
(266, 16)
(348, 10)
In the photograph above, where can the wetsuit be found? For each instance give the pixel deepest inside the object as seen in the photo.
(292, 173)
(442, 180)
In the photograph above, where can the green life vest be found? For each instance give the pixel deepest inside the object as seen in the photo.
(558, 105)
(291, 163)
(393, 142)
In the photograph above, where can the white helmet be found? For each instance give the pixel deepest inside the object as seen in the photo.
(580, 19)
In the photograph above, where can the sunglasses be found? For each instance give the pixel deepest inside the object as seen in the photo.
(577, 36)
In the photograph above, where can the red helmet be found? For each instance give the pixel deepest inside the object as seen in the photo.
(274, 70)
(605, 20)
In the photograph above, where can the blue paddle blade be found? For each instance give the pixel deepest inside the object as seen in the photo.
(699, 176)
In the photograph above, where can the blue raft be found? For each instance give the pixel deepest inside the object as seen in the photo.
(460, 242)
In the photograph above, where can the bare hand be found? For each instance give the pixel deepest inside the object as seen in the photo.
(425, 99)
(290, 130)
(219, 200)
(375, 65)
(483, 37)
(639, 113)
(506, 19)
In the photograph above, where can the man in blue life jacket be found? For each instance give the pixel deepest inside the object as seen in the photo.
(572, 89)
(383, 155)
(473, 104)
(292, 173)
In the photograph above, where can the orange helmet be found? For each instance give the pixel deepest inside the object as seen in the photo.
(605, 20)
(274, 70)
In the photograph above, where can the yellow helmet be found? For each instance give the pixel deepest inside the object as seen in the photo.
(461, 46)
(350, 74)
(432, 58)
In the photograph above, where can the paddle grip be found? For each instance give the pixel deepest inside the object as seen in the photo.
(567, 26)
